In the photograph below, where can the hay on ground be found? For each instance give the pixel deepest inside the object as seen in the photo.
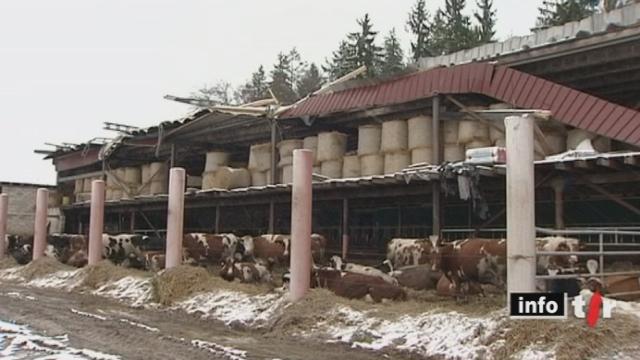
(105, 271)
(42, 267)
(178, 283)
(7, 262)
(571, 339)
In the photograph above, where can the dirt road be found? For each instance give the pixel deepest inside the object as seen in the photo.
(102, 325)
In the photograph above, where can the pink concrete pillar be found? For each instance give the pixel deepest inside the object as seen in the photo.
(301, 208)
(96, 222)
(4, 213)
(40, 227)
(175, 217)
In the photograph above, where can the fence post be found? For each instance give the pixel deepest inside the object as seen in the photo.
(175, 217)
(96, 222)
(40, 225)
(4, 213)
(301, 211)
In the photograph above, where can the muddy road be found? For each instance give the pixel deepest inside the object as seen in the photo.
(103, 325)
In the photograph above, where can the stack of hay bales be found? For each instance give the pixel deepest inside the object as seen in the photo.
(453, 151)
(157, 175)
(473, 134)
(285, 149)
(82, 188)
(351, 166)
(132, 179)
(419, 142)
(227, 178)
(369, 139)
(331, 149)
(576, 136)
(311, 143)
(214, 160)
(394, 146)
(260, 164)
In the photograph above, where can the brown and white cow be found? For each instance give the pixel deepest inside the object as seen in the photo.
(338, 264)
(407, 252)
(473, 260)
(276, 248)
(68, 249)
(203, 249)
(154, 260)
(417, 277)
(356, 286)
(246, 272)
(446, 288)
(561, 262)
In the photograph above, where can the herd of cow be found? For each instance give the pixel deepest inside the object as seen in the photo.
(456, 269)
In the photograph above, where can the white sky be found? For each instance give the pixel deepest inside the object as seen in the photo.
(68, 65)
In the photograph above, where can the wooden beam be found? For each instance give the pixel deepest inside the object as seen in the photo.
(612, 197)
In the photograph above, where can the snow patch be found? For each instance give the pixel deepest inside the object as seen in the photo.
(65, 280)
(20, 342)
(142, 326)
(131, 290)
(219, 350)
(90, 315)
(450, 335)
(534, 353)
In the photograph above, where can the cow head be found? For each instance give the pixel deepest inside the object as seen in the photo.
(227, 269)
(489, 268)
(337, 263)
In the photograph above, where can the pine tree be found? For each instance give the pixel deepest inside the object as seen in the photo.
(485, 31)
(341, 62)
(364, 49)
(451, 29)
(418, 26)
(559, 12)
(281, 83)
(393, 62)
(310, 81)
(255, 89)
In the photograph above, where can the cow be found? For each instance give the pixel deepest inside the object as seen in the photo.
(355, 286)
(472, 260)
(203, 249)
(445, 288)
(555, 243)
(338, 264)
(20, 248)
(276, 248)
(124, 249)
(406, 252)
(417, 277)
(154, 260)
(246, 272)
(70, 249)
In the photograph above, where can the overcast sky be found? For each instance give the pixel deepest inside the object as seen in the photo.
(66, 66)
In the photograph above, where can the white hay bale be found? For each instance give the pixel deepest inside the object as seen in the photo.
(394, 136)
(117, 194)
(351, 166)
(371, 164)
(331, 168)
(260, 157)
(232, 178)
(311, 143)
(469, 130)
(158, 171)
(420, 133)
(450, 131)
(496, 131)
(216, 159)
(500, 106)
(369, 138)
(576, 136)
(286, 147)
(286, 174)
(86, 184)
(556, 140)
(287, 160)
(396, 161)
(331, 146)
(259, 178)
(453, 152)
(208, 180)
(78, 186)
(132, 175)
(158, 187)
(421, 155)
(476, 143)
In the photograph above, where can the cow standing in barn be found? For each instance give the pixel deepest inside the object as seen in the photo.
(276, 248)
(472, 260)
(558, 264)
(208, 249)
(407, 252)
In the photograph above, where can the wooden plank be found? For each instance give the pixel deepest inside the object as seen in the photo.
(615, 198)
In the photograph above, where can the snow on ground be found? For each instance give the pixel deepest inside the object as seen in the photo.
(219, 350)
(451, 335)
(20, 342)
(139, 325)
(534, 353)
(136, 292)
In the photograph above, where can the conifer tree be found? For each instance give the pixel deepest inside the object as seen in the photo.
(393, 61)
(486, 17)
(310, 81)
(419, 27)
(364, 49)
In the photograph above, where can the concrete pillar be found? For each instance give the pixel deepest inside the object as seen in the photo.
(175, 217)
(4, 214)
(521, 232)
(96, 222)
(40, 227)
(301, 210)
(274, 163)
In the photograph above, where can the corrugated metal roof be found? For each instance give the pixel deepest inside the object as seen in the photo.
(522, 90)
